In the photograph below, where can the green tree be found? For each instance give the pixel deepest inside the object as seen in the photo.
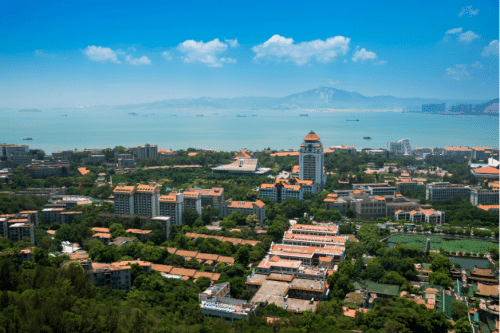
(252, 221)
(242, 256)
(440, 278)
(462, 326)
(459, 309)
(189, 216)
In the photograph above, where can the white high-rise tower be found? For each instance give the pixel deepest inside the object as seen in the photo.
(311, 161)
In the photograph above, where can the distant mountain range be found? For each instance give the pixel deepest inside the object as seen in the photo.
(320, 98)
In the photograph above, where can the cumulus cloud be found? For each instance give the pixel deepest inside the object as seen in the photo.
(138, 61)
(228, 60)
(279, 48)
(468, 11)
(381, 62)
(333, 82)
(491, 49)
(454, 31)
(205, 53)
(363, 55)
(468, 36)
(458, 73)
(476, 65)
(167, 55)
(101, 54)
(232, 42)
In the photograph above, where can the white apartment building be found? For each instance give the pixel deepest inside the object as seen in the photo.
(124, 199)
(248, 208)
(172, 205)
(146, 200)
(401, 147)
(192, 200)
(312, 161)
(479, 196)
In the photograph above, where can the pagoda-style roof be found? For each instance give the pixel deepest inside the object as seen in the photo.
(311, 137)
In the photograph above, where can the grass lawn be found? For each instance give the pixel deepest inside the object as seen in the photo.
(464, 245)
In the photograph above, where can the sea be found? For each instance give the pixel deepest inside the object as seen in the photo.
(230, 130)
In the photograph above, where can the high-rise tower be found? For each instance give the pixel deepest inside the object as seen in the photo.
(311, 161)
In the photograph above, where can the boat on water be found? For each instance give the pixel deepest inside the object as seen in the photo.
(28, 139)
(199, 115)
(303, 115)
(133, 114)
(254, 115)
(352, 120)
(241, 116)
(367, 138)
(64, 115)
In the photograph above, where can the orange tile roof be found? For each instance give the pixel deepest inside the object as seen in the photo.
(161, 268)
(305, 182)
(311, 137)
(456, 148)
(183, 272)
(192, 154)
(260, 204)
(488, 207)
(146, 188)
(295, 169)
(292, 187)
(97, 229)
(51, 232)
(138, 231)
(83, 171)
(356, 191)
(267, 186)
(168, 198)
(102, 235)
(124, 189)
(486, 170)
(286, 153)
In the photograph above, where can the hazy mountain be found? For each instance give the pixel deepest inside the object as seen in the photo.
(320, 98)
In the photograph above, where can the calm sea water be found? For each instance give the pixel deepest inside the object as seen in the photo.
(224, 130)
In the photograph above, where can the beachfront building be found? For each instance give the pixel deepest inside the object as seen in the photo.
(459, 154)
(401, 147)
(7, 149)
(147, 151)
(349, 150)
(311, 162)
(257, 208)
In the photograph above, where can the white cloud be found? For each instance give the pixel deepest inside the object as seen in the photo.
(206, 53)
(101, 54)
(381, 62)
(476, 65)
(468, 36)
(454, 31)
(491, 49)
(43, 54)
(167, 55)
(333, 82)
(458, 73)
(228, 60)
(280, 48)
(363, 55)
(468, 11)
(232, 42)
(138, 61)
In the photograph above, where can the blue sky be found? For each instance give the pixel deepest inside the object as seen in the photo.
(72, 53)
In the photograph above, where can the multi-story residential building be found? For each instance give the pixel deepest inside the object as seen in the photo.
(165, 221)
(124, 199)
(286, 188)
(96, 158)
(445, 190)
(21, 229)
(146, 200)
(192, 200)
(51, 215)
(13, 149)
(172, 205)
(409, 185)
(147, 151)
(139, 233)
(115, 277)
(479, 196)
(369, 208)
(309, 255)
(248, 208)
(125, 162)
(62, 154)
(422, 152)
(32, 216)
(349, 150)
(311, 161)
(459, 154)
(482, 153)
(401, 147)
(291, 191)
(211, 197)
(68, 217)
(43, 171)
